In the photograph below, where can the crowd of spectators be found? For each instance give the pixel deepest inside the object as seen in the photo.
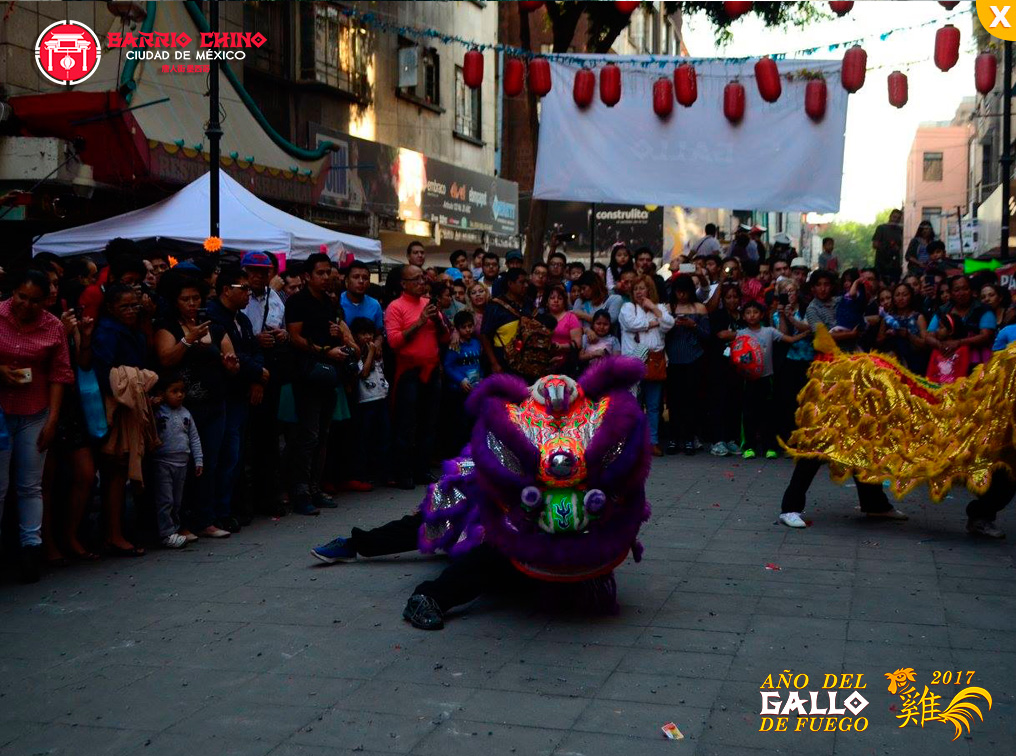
(183, 399)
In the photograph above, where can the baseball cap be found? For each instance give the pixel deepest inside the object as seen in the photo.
(255, 260)
(455, 273)
(514, 255)
(782, 239)
(799, 262)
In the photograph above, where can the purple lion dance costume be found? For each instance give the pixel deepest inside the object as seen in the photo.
(553, 478)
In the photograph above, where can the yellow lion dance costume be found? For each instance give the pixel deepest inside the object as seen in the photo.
(870, 417)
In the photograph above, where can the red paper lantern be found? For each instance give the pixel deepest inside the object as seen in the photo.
(736, 9)
(663, 97)
(686, 84)
(472, 68)
(584, 87)
(855, 64)
(767, 76)
(948, 5)
(610, 85)
(985, 72)
(733, 102)
(947, 47)
(841, 9)
(626, 8)
(539, 76)
(530, 6)
(815, 96)
(898, 89)
(514, 77)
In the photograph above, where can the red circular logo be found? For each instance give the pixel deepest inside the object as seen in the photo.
(67, 52)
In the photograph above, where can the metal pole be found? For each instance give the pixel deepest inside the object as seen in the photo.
(214, 129)
(1006, 158)
(959, 225)
(592, 234)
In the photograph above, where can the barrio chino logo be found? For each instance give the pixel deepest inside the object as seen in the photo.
(67, 52)
(817, 710)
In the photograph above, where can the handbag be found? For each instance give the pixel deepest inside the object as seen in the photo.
(93, 407)
(656, 366)
(322, 374)
(530, 353)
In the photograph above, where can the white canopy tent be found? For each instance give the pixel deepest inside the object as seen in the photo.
(245, 223)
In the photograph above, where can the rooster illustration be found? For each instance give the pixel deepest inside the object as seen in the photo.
(924, 707)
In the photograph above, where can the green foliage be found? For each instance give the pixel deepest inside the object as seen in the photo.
(853, 240)
(773, 14)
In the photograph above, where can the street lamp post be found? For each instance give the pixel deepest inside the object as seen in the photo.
(214, 129)
(1006, 158)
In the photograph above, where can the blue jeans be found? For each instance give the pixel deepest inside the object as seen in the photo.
(28, 463)
(237, 410)
(652, 396)
(210, 418)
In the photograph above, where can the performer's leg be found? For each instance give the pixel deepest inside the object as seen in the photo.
(466, 577)
(982, 511)
(872, 498)
(394, 537)
(804, 473)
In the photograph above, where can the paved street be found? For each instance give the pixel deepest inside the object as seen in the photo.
(250, 647)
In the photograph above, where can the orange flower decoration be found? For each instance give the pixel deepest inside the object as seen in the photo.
(213, 244)
(172, 261)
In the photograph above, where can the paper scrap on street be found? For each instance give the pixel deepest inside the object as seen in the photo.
(671, 731)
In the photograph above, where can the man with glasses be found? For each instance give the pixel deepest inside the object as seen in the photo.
(243, 389)
(415, 332)
(267, 314)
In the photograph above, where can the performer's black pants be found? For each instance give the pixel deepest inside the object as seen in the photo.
(1000, 493)
(871, 496)
(395, 537)
(476, 572)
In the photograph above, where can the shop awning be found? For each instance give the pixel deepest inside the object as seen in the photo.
(246, 222)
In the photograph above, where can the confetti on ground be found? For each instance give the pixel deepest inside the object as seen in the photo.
(773, 567)
(808, 522)
(716, 505)
(671, 731)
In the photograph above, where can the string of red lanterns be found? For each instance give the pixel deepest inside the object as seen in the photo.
(684, 87)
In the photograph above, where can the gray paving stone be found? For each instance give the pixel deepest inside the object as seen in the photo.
(465, 738)
(600, 744)
(348, 730)
(72, 740)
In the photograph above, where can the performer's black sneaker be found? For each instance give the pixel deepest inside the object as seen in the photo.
(985, 528)
(423, 612)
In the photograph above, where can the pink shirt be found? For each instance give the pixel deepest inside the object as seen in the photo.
(421, 348)
(41, 346)
(564, 327)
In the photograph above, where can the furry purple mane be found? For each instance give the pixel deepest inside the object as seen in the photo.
(504, 387)
(611, 374)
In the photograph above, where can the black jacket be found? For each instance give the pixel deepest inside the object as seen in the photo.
(241, 333)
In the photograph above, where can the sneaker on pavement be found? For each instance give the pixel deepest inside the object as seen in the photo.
(733, 447)
(771, 454)
(793, 520)
(188, 536)
(213, 532)
(749, 454)
(689, 448)
(302, 506)
(719, 449)
(174, 541)
(423, 612)
(985, 528)
(889, 514)
(322, 500)
(336, 550)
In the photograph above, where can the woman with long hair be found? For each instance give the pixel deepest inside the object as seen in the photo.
(903, 330)
(620, 261)
(593, 297)
(643, 326)
(917, 251)
(686, 343)
(567, 333)
(998, 299)
(725, 384)
(478, 297)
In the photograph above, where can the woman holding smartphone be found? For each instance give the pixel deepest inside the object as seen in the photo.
(34, 368)
(201, 351)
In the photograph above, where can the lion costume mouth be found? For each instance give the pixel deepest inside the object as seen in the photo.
(554, 476)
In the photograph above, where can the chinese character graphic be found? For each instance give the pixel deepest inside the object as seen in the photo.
(925, 706)
(67, 52)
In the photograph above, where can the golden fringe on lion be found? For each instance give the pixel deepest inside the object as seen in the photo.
(870, 417)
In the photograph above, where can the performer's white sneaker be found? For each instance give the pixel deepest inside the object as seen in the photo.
(793, 520)
(984, 528)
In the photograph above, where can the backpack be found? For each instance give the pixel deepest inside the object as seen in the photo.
(530, 353)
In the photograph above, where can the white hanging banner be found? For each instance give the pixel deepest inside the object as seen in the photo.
(776, 159)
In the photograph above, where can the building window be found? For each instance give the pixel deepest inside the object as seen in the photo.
(934, 216)
(419, 73)
(932, 166)
(467, 108)
(335, 49)
(271, 20)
